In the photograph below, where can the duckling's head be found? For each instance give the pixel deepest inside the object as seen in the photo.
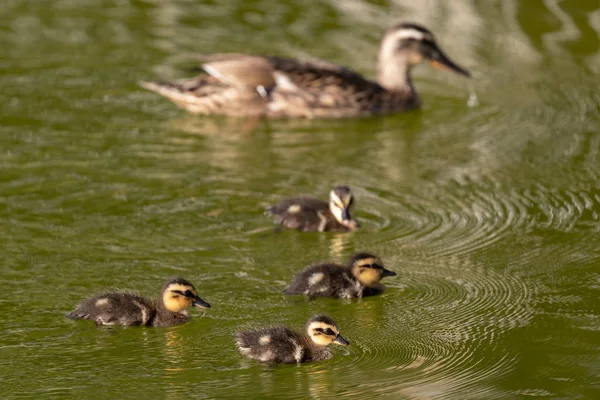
(341, 202)
(323, 331)
(406, 45)
(179, 294)
(368, 269)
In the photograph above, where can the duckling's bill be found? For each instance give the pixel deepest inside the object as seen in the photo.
(387, 272)
(200, 303)
(341, 341)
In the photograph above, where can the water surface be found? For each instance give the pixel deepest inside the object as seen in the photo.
(489, 214)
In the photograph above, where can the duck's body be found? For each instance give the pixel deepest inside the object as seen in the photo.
(309, 214)
(130, 309)
(275, 87)
(359, 278)
(304, 89)
(282, 345)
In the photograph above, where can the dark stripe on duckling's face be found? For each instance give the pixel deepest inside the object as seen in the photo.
(177, 297)
(324, 334)
(337, 338)
(197, 301)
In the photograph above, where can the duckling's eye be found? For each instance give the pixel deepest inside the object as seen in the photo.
(188, 293)
(376, 266)
(329, 332)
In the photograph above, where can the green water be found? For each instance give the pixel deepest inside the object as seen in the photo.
(489, 214)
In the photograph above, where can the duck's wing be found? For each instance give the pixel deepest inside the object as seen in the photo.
(317, 72)
(233, 84)
(320, 89)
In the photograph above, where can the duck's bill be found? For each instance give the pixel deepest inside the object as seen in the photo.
(387, 272)
(441, 61)
(200, 303)
(341, 340)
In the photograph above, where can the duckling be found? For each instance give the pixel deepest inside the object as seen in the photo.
(359, 278)
(308, 214)
(283, 346)
(276, 87)
(125, 308)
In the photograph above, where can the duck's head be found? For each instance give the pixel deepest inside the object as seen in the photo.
(341, 202)
(179, 294)
(406, 45)
(323, 331)
(368, 269)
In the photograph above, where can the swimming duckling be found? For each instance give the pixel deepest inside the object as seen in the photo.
(276, 87)
(359, 278)
(308, 214)
(124, 308)
(284, 346)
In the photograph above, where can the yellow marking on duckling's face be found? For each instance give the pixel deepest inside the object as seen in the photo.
(294, 208)
(176, 302)
(102, 302)
(365, 273)
(322, 333)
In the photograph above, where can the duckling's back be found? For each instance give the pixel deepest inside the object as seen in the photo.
(116, 309)
(325, 280)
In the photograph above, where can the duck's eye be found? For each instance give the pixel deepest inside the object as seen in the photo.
(329, 332)
(188, 293)
(376, 266)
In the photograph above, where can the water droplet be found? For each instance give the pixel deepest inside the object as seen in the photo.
(472, 101)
